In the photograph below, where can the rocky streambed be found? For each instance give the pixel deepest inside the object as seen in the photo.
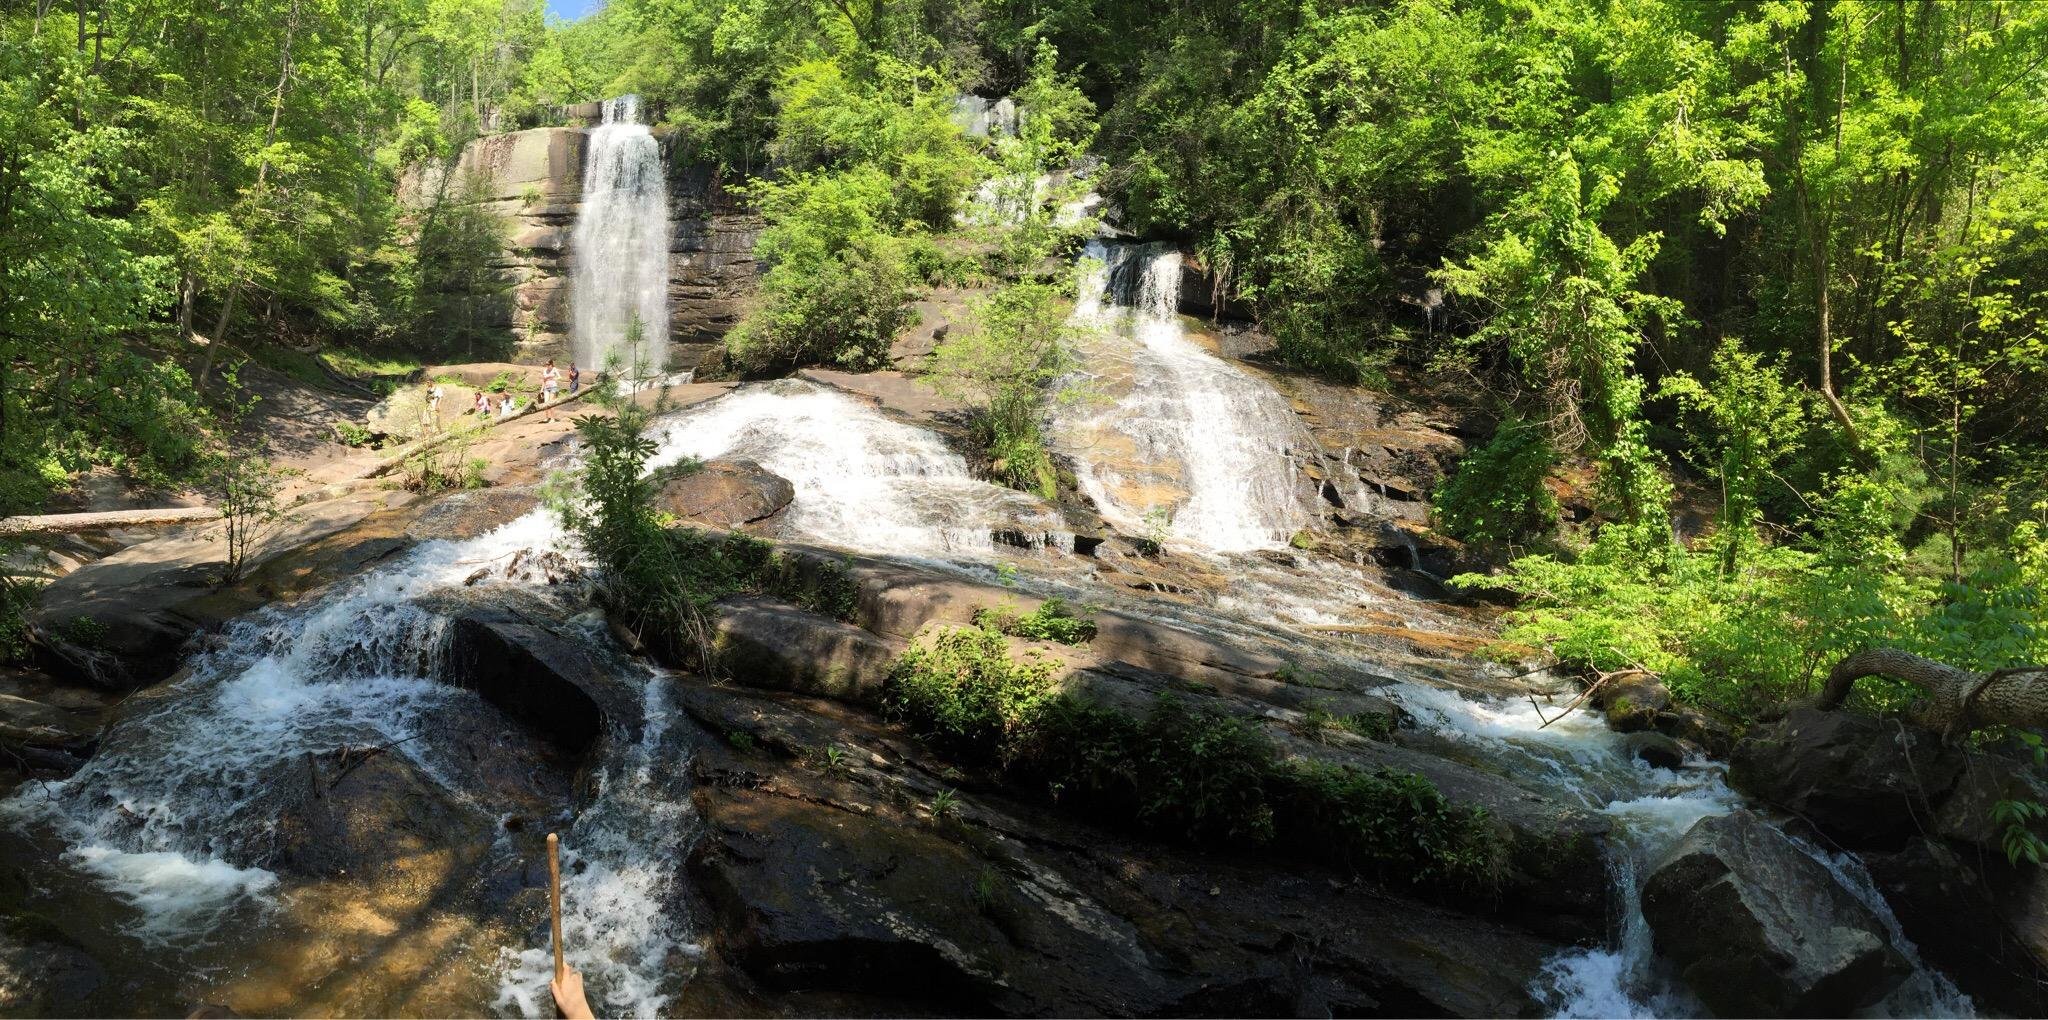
(327, 794)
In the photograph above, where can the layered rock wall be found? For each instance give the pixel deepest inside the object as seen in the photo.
(533, 181)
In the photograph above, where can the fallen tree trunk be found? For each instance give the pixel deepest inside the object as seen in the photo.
(1958, 700)
(66, 523)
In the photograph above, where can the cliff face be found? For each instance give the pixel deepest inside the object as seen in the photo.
(533, 180)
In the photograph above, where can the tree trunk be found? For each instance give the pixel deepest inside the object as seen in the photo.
(1958, 700)
(227, 307)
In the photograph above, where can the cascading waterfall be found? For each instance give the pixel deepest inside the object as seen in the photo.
(620, 927)
(1578, 760)
(175, 814)
(619, 251)
(1223, 436)
(862, 481)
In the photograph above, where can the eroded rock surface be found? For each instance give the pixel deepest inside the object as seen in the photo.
(828, 874)
(726, 493)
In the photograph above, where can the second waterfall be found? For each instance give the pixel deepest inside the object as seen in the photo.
(1174, 440)
(619, 251)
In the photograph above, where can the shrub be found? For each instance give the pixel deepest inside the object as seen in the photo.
(1497, 495)
(446, 464)
(961, 689)
(1178, 771)
(1007, 365)
(351, 434)
(1051, 621)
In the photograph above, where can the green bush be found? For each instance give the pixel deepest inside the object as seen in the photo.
(842, 309)
(1177, 771)
(1744, 639)
(1051, 621)
(962, 691)
(1497, 495)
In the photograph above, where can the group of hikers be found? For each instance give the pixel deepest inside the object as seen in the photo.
(551, 379)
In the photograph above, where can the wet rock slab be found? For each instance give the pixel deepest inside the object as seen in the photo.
(829, 874)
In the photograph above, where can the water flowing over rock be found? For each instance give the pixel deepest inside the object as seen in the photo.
(1759, 928)
(1177, 441)
(861, 480)
(619, 253)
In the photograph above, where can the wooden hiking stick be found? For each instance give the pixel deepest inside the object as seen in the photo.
(555, 901)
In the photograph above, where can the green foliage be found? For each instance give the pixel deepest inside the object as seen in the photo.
(1498, 494)
(874, 164)
(441, 463)
(1053, 620)
(1770, 628)
(245, 489)
(961, 689)
(1190, 774)
(1748, 421)
(351, 434)
(1008, 364)
(2018, 839)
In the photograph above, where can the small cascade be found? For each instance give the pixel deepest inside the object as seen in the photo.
(862, 480)
(623, 928)
(619, 251)
(1184, 443)
(1578, 760)
(175, 812)
(176, 817)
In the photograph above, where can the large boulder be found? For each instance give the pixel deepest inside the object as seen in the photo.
(726, 493)
(767, 643)
(1960, 924)
(560, 686)
(1632, 703)
(1865, 782)
(1759, 928)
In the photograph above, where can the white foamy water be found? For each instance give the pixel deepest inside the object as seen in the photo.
(618, 252)
(175, 813)
(1225, 436)
(863, 481)
(1576, 758)
(621, 916)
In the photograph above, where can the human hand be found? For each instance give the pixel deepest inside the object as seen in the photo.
(569, 999)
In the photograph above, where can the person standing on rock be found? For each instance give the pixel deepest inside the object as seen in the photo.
(434, 408)
(575, 379)
(550, 382)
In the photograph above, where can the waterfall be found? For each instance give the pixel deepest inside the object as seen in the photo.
(1185, 442)
(1578, 760)
(619, 251)
(176, 816)
(862, 480)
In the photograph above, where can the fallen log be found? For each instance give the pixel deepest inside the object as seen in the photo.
(56, 524)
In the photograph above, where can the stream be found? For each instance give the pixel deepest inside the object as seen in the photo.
(198, 846)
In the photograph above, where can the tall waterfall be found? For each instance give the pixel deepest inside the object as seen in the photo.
(1184, 441)
(619, 251)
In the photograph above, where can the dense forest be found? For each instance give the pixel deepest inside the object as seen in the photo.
(1235, 507)
(1788, 257)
